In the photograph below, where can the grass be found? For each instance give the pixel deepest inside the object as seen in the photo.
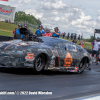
(86, 44)
(6, 28)
(5, 33)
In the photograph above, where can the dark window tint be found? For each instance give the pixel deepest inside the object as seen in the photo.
(80, 49)
(71, 47)
(63, 46)
(51, 41)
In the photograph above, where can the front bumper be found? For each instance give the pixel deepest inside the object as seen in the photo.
(10, 61)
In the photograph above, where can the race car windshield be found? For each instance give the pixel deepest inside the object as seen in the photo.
(50, 41)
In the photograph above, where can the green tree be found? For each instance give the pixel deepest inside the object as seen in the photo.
(91, 38)
(22, 16)
(39, 22)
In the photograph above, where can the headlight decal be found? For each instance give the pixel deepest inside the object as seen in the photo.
(17, 52)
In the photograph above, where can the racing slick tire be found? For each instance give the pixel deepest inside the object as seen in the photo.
(39, 63)
(82, 66)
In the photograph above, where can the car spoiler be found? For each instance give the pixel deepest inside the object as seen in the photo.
(5, 38)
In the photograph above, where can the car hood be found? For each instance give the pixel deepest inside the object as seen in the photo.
(14, 44)
(19, 44)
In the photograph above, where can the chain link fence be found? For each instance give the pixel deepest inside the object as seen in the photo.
(25, 23)
(32, 26)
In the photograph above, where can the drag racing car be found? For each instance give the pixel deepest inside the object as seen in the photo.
(43, 53)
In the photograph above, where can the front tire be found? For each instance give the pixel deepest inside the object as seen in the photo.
(39, 63)
(82, 66)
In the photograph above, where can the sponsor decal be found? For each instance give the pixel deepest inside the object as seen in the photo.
(72, 71)
(5, 12)
(42, 50)
(76, 69)
(68, 60)
(29, 57)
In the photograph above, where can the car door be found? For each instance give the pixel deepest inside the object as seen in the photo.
(68, 54)
(61, 49)
(73, 51)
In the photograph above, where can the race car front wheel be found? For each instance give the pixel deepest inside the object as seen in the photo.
(39, 63)
(82, 66)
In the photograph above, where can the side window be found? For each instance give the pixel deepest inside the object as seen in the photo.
(79, 48)
(71, 47)
(67, 46)
(62, 46)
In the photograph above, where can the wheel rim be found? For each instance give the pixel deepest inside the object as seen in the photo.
(39, 63)
(81, 65)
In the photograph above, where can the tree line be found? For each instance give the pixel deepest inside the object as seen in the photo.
(22, 16)
(89, 39)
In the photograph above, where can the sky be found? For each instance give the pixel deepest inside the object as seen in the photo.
(73, 16)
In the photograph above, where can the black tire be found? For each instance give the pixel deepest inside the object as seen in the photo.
(39, 63)
(82, 66)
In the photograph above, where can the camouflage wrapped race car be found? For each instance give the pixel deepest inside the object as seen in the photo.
(43, 53)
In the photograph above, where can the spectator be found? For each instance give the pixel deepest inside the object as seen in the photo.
(25, 26)
(71, 36)
(92, 44)
(74, 41)
(25, 23)
(40, 32)
(98, 60)
(79, 37)
(56, 32)
(17, 32)
(43, 29)
(47, 33)
(68, 36)
(75, 37)
(82, 43)
(29, 31)
(13, 32)
(64, 34)
(95, 48)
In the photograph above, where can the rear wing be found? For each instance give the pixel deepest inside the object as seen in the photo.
(5, 38)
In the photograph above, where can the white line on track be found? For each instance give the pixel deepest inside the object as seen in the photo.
(90, 97)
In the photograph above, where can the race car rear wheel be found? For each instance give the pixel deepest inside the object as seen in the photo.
(39, 63)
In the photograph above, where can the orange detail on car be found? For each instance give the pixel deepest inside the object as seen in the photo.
(68, 60)
(29, 56)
